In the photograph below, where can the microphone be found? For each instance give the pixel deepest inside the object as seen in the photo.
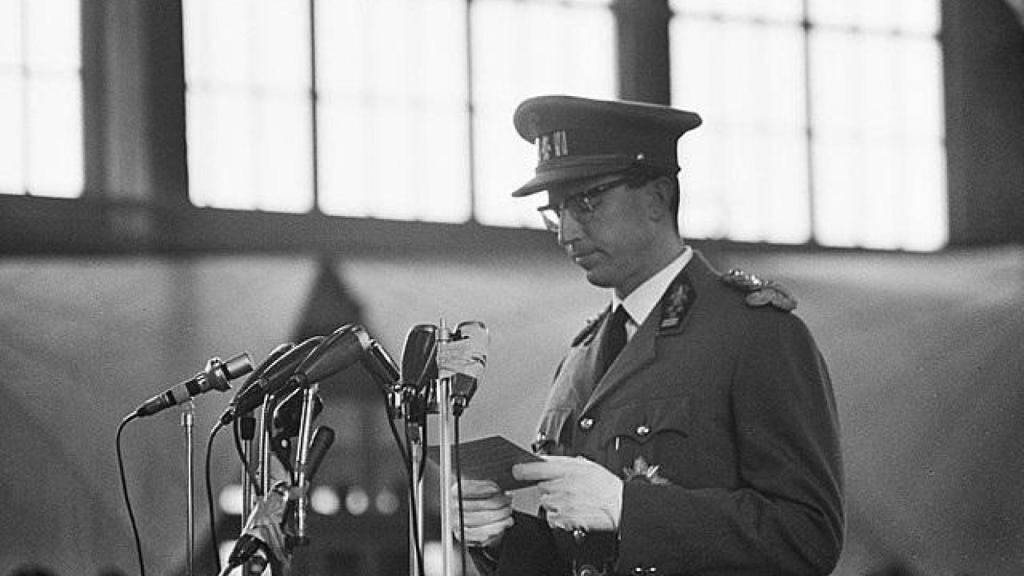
(257, 374)
(470, 342)
(273, 381)
(381, 366)
(287, 420)
(419, 367)
(419, 358)
(323, 438)
(342, 348)
(263, 534)
(215, 375)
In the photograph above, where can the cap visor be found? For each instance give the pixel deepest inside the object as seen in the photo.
(564, 174)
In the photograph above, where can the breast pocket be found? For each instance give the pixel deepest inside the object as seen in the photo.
(657, 430)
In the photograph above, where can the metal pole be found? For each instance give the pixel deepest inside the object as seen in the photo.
(415, 512)
(301, 463)
(444, 410)
(187, 419)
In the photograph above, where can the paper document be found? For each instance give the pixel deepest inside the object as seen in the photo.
(489, 458)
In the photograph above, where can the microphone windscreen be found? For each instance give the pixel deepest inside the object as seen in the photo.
(342, 348)
(419, 359)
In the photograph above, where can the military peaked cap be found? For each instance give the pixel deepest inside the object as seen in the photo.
(580, 138)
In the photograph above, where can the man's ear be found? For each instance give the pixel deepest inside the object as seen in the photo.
(660, 192)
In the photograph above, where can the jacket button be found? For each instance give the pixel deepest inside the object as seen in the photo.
(643, 430)
(586, 423)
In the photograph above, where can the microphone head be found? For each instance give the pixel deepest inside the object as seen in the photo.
(342, 348)
(381, 366)
(273, 380)
(256, 374)
(272, 357)
(323, 437)
(217, 374)
(419, 358)
(280, 371)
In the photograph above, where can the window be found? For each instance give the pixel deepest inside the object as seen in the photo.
(822, 126)
(40, 98)
(523, 49)
(383, 88)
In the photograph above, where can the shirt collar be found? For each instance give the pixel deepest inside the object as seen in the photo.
(640, 302)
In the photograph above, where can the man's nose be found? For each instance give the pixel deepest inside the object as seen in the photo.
(569, 228)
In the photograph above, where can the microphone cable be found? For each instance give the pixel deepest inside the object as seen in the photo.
(124, 490)
(246, 466)
(407, 462)
(209, 495)
(458, 483)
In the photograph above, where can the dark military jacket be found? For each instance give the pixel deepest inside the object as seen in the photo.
(720, 417)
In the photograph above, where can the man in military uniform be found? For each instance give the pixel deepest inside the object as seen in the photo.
(691, 428)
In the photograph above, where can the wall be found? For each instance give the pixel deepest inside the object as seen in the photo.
(926, 354)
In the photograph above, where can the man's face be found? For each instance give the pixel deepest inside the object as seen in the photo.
(610, 235)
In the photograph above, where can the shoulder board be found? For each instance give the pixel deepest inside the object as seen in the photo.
(588, 332)
(759, 292)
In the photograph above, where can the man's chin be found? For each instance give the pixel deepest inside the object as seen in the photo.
(595, 277)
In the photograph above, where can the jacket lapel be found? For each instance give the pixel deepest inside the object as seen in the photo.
(667, 319)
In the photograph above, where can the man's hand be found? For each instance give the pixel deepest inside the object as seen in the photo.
(578, 494)
(486, 510)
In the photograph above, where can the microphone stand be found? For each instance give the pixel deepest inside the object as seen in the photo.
(187, 419)
(416, 428)
(266, 411)
(302, 462)
(444, 409)
(247, 428)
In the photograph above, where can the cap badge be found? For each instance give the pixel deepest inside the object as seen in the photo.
(552, 145)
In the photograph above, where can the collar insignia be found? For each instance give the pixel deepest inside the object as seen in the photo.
(676, 303)
(759, 292)
(644, 472)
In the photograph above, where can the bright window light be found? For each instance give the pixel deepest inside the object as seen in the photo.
(871, 135)
(41, 98)
(393, 123)
(878, 156)
(744, 172)
(523, 49)
(248, 118)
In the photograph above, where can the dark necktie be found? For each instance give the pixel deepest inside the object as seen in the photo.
(614, 339)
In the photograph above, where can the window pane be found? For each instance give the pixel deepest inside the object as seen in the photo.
(516, 56)
(909, 16)
(749, 158)
(392, 109)
(10, 36)
(773, 10)
(12, 163)
(879, 174)
(40, 98)
(248, 108)
(54, 163)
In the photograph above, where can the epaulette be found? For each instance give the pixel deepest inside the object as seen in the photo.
(589, 330)
(759, 292)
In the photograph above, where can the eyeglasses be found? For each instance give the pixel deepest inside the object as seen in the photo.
(581, 205)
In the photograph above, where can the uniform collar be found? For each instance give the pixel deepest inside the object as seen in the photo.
(640, 302)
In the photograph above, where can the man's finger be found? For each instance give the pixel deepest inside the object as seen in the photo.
(495, 503)
(477, 489)
(487, 517)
